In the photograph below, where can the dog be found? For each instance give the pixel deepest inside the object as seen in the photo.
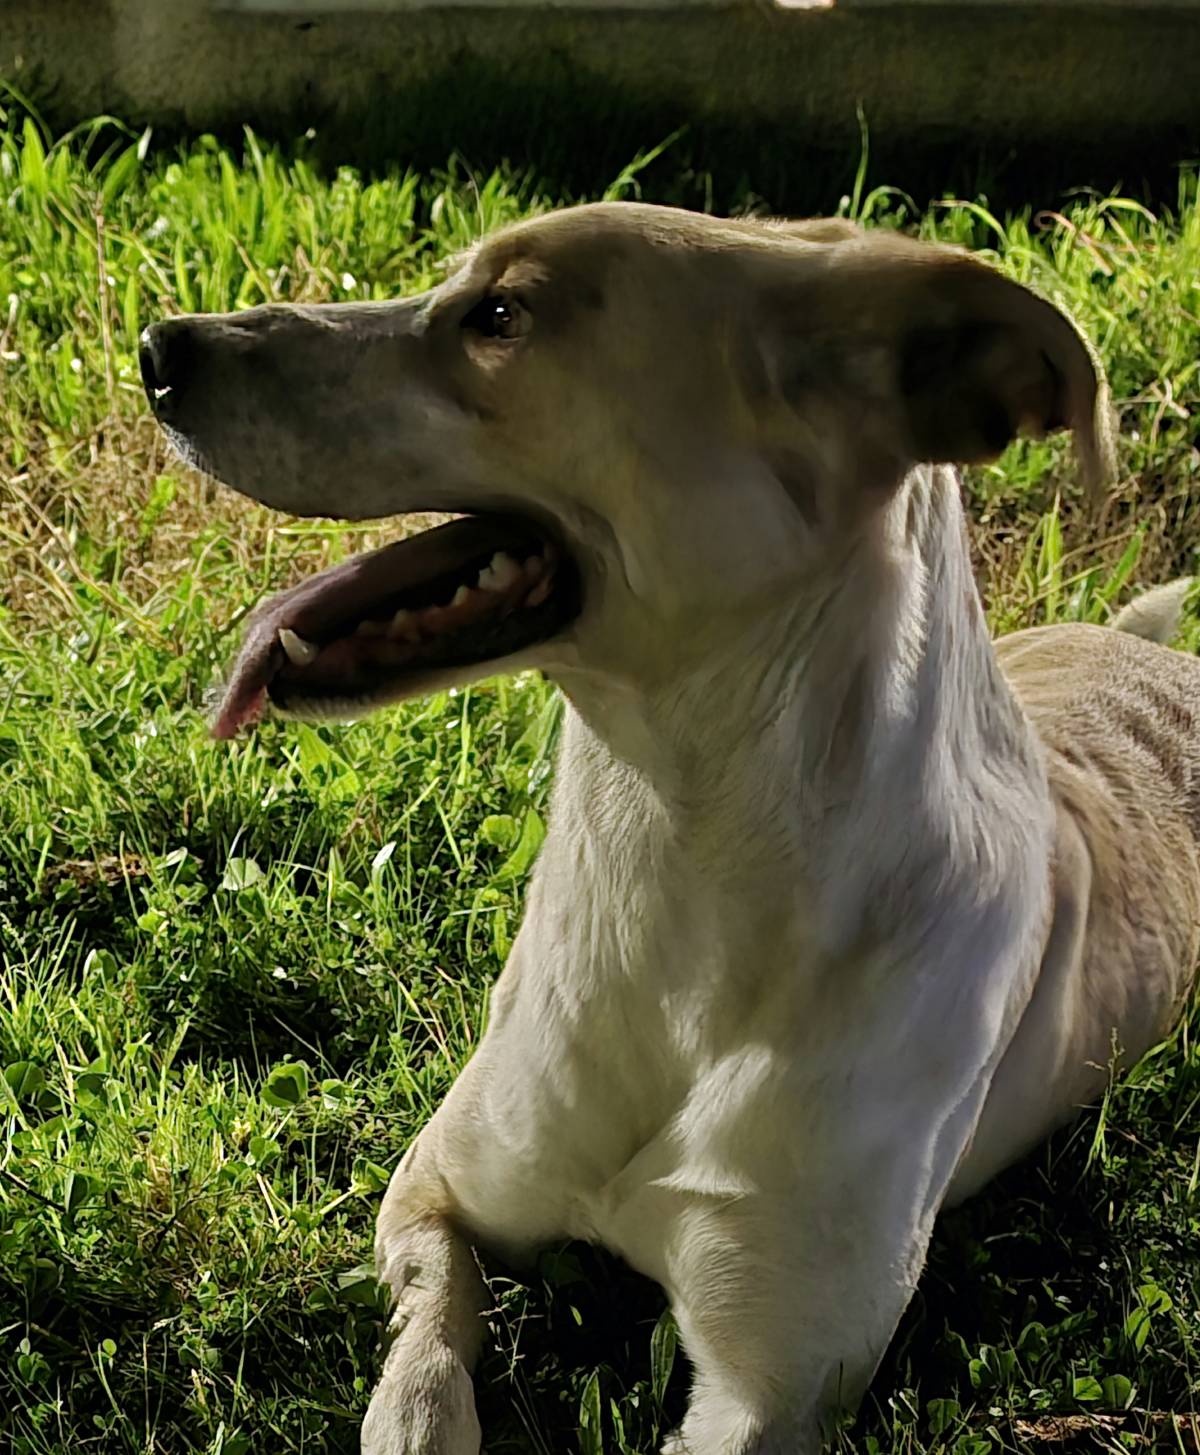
(842, 906)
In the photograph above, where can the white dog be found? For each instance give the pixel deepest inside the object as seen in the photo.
(842, 906)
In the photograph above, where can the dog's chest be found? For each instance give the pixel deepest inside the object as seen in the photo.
(666, 1020)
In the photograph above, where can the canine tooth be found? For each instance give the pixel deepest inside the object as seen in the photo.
(371, 628)
(299, 652)
(403, 624)
(461, 596)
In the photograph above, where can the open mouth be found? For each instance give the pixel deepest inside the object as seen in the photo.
(374, 629)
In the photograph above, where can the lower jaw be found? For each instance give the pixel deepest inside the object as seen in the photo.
(356, 696)
(350, 705)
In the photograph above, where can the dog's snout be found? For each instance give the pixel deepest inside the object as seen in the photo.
(166, 353)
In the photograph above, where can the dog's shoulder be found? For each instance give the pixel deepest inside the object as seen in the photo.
(1115, 710)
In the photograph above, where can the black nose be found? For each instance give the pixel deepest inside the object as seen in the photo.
(166, 354)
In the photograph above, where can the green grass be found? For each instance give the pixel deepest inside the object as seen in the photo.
(235, 980)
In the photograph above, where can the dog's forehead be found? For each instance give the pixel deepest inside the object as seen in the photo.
(613, 223)
(597, 252)
(594, 239)
(600, 243)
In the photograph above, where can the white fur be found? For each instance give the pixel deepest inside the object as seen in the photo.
(724, 937)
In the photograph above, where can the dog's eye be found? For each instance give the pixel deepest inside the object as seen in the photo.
(496, 317)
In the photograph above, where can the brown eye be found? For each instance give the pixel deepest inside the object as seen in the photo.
(499, 318)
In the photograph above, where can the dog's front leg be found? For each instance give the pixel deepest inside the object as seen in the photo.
(456, 1185)
(784, 1311)
(424, 1403)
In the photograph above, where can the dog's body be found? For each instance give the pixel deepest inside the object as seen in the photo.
(1120, 724)
(841, 908)
(749, 1035)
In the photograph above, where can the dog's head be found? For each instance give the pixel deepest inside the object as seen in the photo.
(657, 425)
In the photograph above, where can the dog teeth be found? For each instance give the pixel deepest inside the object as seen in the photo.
(539, 592)
(299, 652)
(403, 626)
(371, 628)
(500, 573)
(461, 596)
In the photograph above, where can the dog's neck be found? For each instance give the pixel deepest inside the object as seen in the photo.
(874, 707)
(885, 654)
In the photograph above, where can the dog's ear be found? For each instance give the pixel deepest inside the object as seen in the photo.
(981, 359)
(926, 355)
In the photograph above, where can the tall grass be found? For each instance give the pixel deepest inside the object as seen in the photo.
(234, 981)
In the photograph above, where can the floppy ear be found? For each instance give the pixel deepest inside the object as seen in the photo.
(935, 357)
(990, 360)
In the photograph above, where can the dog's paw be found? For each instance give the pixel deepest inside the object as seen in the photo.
(424, 1406)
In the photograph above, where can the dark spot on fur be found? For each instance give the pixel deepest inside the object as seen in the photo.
(751, 370)
(955, 410)
(1168, 708)
(795, 475)
(1146, 732)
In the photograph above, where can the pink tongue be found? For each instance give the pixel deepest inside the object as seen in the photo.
(237, 709)
(339, 598)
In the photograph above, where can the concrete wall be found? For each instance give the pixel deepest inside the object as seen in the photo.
(779, 84)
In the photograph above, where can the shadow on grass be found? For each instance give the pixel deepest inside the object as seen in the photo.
(1030, 1293)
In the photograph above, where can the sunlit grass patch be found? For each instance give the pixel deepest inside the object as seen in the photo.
(235, 980)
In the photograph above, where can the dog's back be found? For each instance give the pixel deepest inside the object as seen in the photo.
(1122, 710)
(1120, 720)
